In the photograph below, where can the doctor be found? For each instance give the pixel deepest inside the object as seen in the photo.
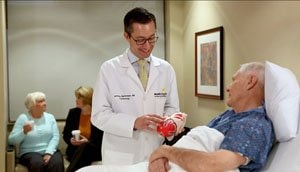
(130, 99)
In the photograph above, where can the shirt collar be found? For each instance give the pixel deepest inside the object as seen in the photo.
(132, 58)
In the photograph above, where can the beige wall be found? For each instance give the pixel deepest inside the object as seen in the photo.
(253, 31)
(3, 115)
(174, 44)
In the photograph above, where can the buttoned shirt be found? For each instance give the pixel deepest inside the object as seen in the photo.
(249, 133)
(133, 60)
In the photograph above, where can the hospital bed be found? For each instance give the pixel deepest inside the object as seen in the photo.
(284, 157)
(283, 107)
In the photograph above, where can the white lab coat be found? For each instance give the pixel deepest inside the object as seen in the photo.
(119, 98)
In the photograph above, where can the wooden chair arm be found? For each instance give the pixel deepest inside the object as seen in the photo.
(10, 158)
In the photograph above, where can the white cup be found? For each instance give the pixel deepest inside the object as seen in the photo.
(76, 134)
(31, 122)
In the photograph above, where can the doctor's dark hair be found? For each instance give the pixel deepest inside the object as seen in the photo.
(137, 15)
(86, 93)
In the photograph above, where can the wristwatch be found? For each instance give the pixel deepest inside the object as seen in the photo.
(246, 158)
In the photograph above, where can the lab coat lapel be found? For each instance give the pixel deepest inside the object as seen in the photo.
(126, 65)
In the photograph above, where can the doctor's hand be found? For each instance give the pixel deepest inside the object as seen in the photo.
(148, 122)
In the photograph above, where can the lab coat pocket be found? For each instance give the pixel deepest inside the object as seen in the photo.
(115, 157)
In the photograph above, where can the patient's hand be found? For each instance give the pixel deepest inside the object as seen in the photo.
(159, 165)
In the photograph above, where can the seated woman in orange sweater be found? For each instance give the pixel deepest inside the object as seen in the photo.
(88, 148)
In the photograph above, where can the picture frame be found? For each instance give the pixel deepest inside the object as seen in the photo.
(209, 63)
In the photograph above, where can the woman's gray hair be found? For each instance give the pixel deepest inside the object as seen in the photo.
(256, 68)
(32, 98)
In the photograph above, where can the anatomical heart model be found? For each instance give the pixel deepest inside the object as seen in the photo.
(172, 125)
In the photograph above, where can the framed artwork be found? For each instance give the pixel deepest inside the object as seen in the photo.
(209, 63)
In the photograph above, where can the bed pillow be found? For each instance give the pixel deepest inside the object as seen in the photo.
(282, 100)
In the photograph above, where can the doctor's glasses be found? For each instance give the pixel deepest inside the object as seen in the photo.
(142, 41)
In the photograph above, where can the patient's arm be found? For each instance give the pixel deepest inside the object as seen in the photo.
(159, 165)
(196, 161)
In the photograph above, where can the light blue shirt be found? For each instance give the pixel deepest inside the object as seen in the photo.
(43, 138)
(133, 60)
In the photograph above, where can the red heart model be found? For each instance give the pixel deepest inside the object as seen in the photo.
(167, 128)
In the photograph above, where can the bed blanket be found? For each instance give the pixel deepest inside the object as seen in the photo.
(201, 138)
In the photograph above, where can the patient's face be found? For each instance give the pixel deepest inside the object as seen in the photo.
(236, 89)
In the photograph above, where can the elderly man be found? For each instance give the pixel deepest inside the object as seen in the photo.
(248, 132)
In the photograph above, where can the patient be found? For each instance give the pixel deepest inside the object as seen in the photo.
(239, 139)
(248, 132)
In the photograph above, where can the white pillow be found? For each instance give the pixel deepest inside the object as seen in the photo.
(282, 100)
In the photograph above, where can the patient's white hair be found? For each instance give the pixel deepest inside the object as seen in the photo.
(32, 98)
(256, 68)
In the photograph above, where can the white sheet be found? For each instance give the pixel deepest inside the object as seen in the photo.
(285, 156)
(200, 138)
